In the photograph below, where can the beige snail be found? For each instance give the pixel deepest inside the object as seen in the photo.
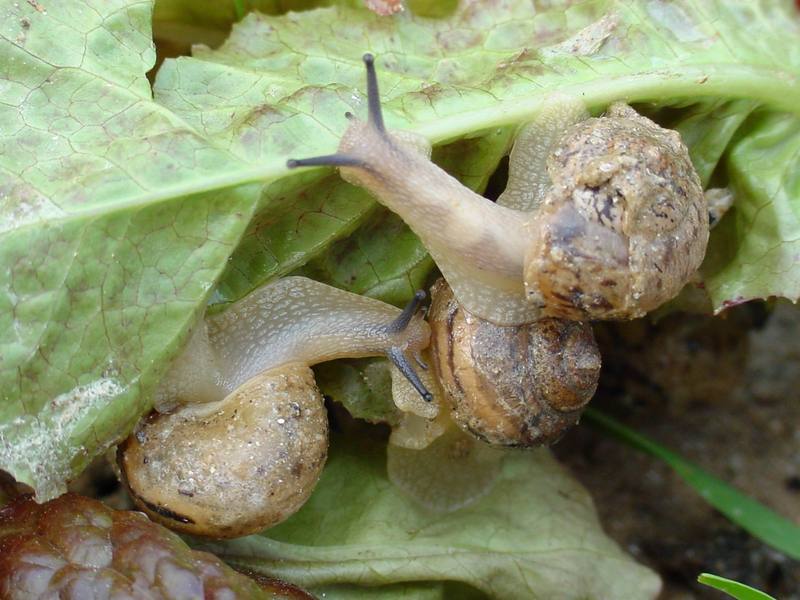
(614, 225)
(249, 440)
(602, 218)
(512, 386)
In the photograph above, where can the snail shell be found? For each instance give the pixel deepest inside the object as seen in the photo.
(235, 467)
(512, 386)
(624, 225)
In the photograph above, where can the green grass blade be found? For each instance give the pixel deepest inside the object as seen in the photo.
(738, 590)
(754, 517)
(241, 10)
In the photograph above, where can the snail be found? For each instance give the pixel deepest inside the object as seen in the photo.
(516, 386)
(248, 442)
(505, 400)
(614, 228)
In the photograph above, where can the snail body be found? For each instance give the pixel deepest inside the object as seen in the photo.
(602, 218)
(249, 440)
(617, 225)
(291, 320)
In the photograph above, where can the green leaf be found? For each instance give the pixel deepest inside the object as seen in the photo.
(754, 252)
(362, 385)
(366, 264)
(112, 234)
(534, 535)
(738, 590)
(750, 515)
(707, 128)
(307, 215)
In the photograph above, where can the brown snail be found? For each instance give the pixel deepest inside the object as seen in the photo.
(614, 228)
(512, 386)
(602, 218)
(247, 445)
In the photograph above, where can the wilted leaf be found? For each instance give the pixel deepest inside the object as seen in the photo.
(534, 535)
(75, 547)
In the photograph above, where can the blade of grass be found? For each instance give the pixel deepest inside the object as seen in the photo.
(738, 590)
(239, 7)
(750, 515)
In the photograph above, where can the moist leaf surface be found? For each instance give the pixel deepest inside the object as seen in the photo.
(111, 239)
(534, 535)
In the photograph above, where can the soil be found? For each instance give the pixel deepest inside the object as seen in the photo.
(725, 394)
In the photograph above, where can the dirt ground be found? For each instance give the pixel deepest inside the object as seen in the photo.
(724, 393)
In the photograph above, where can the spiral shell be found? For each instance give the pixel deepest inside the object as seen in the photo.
(625, 224)
(512, 386)
(236, 467)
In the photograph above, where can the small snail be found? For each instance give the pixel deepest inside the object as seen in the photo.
(247, 447)
(512, 386)
(616, 226)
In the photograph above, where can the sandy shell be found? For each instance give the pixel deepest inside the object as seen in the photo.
(625, 224)
(245, 464)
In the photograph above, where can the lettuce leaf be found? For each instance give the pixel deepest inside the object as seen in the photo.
(534, 535)
(756, 252)
(112, 234)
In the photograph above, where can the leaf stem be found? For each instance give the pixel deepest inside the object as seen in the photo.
(779, 89)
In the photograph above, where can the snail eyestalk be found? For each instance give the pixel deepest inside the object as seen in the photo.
(327, 160)
(374, 118)
(401, 362)
(373, 95)
(401, 322)
(397, 356)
